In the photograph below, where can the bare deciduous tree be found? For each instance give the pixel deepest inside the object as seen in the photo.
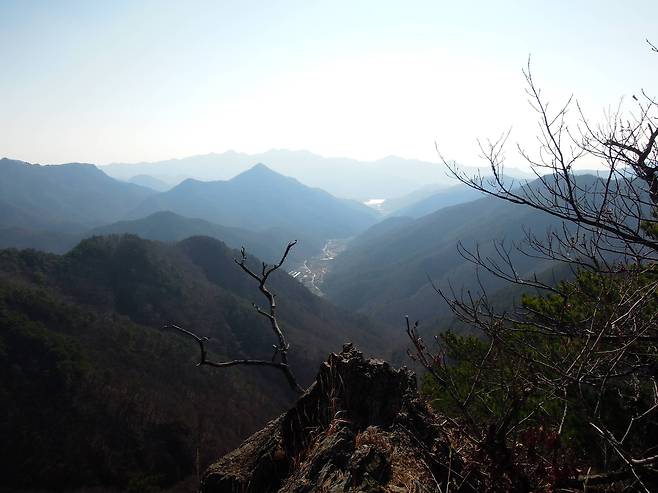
(586, 351)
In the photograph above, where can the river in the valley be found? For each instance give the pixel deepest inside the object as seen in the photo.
(312, 271)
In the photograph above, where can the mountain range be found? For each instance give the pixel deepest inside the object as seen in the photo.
(52, 207)
(385, 178)
(169, 227)
(259, 199)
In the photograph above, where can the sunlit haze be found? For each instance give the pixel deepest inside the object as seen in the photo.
(131, 81)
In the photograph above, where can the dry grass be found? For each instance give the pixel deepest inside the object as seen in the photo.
(374, 437)
(408, 470)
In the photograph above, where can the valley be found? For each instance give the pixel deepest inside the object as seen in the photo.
(94, 316)
(312, 271)
(313, 247)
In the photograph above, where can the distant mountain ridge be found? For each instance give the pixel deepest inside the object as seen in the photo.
(260, 199)
(385, 178)
(65, 197)
(53, 207)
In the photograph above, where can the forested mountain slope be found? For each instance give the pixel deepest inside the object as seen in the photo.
(83, 354)
(168, 226)
(44, 240)
(385, 271)
(51, 208)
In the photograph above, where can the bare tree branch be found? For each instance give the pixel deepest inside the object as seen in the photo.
(281, 349)
(586, 348)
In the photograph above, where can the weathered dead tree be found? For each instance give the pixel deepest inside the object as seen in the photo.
(280, 357)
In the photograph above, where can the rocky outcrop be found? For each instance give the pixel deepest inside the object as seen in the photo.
(360, 427)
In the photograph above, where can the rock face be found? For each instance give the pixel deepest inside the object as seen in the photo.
(359, 428)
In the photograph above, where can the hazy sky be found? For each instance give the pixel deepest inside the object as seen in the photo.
(105, 81)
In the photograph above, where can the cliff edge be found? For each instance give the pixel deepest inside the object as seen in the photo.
(361, 427)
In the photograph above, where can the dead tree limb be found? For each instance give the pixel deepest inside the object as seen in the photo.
(280, 349)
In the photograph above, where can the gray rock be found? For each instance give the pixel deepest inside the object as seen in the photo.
(361, 427)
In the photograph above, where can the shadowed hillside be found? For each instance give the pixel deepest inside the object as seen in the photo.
(65, 197)
(83, 353)
(385, 272)
(443, 198)
(168, 226)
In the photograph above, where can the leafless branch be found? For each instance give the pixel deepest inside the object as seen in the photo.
(592, 340)
(281, 349)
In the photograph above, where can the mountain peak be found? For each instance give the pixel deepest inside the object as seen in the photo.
(260, 168)
(258, 172)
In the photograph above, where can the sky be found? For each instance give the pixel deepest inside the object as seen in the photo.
(130, 81)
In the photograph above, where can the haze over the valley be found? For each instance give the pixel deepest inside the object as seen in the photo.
(387, 178)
